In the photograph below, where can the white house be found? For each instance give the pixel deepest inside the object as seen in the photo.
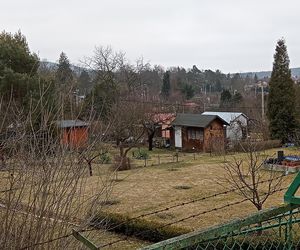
(237, 129)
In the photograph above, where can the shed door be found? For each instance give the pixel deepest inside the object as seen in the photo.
(178, 137)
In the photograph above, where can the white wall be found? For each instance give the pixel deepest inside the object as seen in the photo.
(234, 131)
(178, 137)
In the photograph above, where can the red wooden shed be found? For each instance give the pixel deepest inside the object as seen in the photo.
(74, 133)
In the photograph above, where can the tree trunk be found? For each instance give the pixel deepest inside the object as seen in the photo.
(259, 208)
(123, 162)
(150, 140)
(90, 168)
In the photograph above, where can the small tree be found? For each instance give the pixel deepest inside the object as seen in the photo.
(188, 91)
(151, 127)
(246, 176)
(126, 130)
(152, 121)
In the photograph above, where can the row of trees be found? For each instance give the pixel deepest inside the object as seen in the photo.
(109, 77)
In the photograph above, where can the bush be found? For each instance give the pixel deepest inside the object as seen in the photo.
(140, 228)
(141, 154)
(243, 146)
(105, 158)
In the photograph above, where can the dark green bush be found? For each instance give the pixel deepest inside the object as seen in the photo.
(105, 158)
(141, 228)
(141, 154)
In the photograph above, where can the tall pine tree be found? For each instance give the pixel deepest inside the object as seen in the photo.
(281, 100)
(65, 86)
(64, 74)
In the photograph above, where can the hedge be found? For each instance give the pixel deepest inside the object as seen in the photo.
(148, 230)
(242, 146)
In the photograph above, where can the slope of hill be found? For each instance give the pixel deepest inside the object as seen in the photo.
(262, 74)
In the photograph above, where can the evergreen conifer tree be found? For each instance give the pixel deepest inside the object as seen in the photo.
(84, 82)
(64, 74)
(281, 99)
(226, 98)
(66, 90)
(18, 68)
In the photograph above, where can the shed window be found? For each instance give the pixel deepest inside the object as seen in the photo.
(195, 134)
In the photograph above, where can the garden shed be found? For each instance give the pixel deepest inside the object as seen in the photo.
(74, 133)
(195, 132)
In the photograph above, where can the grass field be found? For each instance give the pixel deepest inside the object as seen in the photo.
(145, 189)
(165, 182)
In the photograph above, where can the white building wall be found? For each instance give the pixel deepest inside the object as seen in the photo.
(234, 131)
(178, 137)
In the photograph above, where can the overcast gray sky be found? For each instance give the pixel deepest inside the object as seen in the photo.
(230, 35)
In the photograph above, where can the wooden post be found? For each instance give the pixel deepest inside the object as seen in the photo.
(84, 240)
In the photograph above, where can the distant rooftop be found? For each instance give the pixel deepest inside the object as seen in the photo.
(226, 116)
(71, 123)
(195, 120)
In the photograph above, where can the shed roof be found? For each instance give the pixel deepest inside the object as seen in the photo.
(196, 120)
(71, 123)
(226, 116)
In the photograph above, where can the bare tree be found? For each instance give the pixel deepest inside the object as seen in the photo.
(127, 130)
(247, 176)
(154, 119)
(44, 184)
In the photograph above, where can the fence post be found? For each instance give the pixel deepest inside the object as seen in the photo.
(84, 240)
(289, 231)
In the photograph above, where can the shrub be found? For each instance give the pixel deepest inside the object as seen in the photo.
(257, 145)
(141, 154)
(105, 158)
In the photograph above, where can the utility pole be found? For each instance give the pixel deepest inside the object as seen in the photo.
(262, 102)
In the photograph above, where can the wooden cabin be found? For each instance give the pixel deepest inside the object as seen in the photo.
(198, 133)
(74, 133)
